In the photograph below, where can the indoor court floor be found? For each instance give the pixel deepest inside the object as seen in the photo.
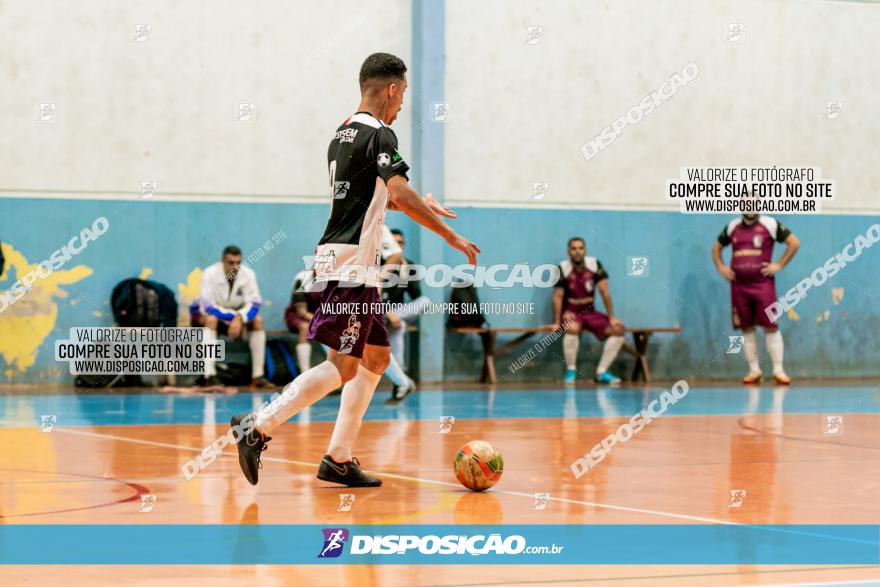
(782, 446)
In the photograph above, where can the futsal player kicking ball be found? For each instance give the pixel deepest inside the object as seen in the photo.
(573, 296)
(367, 176)
(752, 285)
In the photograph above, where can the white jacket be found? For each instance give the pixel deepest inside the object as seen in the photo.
(218, 299)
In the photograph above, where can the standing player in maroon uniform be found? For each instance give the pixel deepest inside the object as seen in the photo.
(573, 298)
(752, 285)
(367, 177)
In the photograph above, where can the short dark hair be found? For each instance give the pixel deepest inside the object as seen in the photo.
(231, 250)
(397, 231)
(382, 66)
(576, 238)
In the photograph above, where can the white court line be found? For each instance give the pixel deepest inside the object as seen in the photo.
(418, 480)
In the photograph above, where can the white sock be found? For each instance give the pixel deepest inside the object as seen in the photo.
(750, 350)
(356, 396)
(570, 344)
(304, 356)
(257, 344)
(210, 339)
(775, 348)
(609, 352)
(300, 393)
(395, 373)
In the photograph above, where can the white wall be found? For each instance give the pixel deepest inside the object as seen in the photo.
(165, 109)
(519, 113)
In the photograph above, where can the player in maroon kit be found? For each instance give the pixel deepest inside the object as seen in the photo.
(752, 285)
(573, 296)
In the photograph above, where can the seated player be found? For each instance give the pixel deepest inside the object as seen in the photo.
(573, 307)
(397, 323)
(298, 316)
(752, 285)
(229, 303)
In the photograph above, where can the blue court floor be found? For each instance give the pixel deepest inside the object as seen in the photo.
(104, 409)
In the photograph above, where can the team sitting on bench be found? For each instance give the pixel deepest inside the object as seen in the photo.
(229, 304)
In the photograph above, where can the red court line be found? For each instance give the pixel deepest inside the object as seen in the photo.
(139, 490)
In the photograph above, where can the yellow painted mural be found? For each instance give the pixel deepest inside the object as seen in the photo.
(25, 324)
(186, 294)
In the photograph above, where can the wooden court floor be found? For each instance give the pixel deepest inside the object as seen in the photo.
(772, 443)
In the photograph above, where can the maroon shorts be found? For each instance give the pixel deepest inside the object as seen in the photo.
(750, 300)
(595, 322)
(353, 321)
(291, 317)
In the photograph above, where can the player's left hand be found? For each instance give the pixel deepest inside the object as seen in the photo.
(438, 208)
(770, 269)
(615, 323)
(462, 244)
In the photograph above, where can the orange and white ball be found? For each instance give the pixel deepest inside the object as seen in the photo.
(478, 465)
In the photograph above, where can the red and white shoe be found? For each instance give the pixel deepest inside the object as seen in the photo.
(752, 378)
(781, 378)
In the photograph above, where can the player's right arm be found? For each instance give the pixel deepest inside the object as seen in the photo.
(725, 270)
(410, 203)
(558, 292)
(556, 301)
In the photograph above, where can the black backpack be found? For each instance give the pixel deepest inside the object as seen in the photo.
(465, 297)
(233, 373)
(137, 302)
(281, 369)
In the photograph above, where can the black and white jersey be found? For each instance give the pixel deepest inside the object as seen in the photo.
(362, 157)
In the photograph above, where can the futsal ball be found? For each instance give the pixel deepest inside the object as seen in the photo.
(478, 465)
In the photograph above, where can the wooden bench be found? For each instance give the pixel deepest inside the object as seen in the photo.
(641, 337)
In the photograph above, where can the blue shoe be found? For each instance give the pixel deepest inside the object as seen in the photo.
(607, 377)
(570, 376)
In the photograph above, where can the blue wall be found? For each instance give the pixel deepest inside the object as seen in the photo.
(682, 287)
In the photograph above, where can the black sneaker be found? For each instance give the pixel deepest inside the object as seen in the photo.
(249, 448)
(392, 399)
(349, 473)
(398, 393)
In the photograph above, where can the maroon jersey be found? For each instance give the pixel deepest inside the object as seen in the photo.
(580, 285)
(312, 299)
(752, 246)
